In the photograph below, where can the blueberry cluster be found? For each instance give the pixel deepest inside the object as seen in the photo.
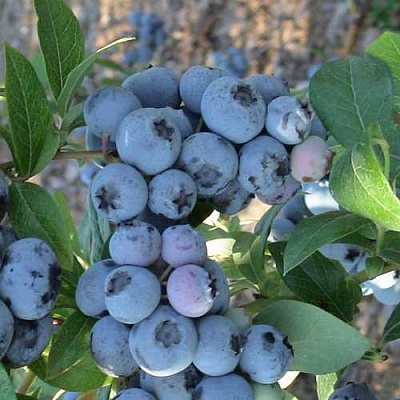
(29, 286)
(231, 59)
(148, 28)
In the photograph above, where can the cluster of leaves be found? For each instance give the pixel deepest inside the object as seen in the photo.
(302, 293)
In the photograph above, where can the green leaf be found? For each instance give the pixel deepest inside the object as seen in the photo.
(70, 364)
(6, 388)
(49, 151)
(322, 343)
(314, 232)
(358, 184)
(349, 95)
(326, 385)
(392, 328)
(263, 226)
(387, 49)
(61, 41)
(248, 255)
(73, 119)
(391, 247)
(28, 111)
(76, 76)
(322, 282)
(34, 213)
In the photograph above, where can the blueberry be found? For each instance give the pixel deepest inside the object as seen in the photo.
(220, 345)
(194, 118)
(233, 108)
(94, 142)
(353, 391)
(269, 86)
(227, 387)
(295, 209)
(164, 343)
(182, 244)
(87, 171)
(173, 194)
(78, 133)
(132, 293)
(133, 394)
(210, 160)
(266, 354)
(318, 198)
(287, 120)
(263, 166)
(317, 128)
(89, 294)
(130, 57)
(105, 108)
(71, 395)
(349, 255)
(270, 392)
(178, 386)
(310, 160)
(8, 234)
(149, 140)
(281, 229)
(109, 346)
(288, 189)
(3, 196)
(160, 222)
(389, 296)
(138, 243)
(232, 199)
(190, 290)
(220, 281)
(238, 62)
(144, 51)
(155, 87)
(30, 278)
(181, 120)
(194, 82)
(135, 17)
(29, 340)
(119, 192)
(6, 329)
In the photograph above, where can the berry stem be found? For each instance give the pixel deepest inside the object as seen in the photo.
(27, 382)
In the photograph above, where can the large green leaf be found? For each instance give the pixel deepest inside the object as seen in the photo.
(387, 49)
(28, 111)
(314, 232)
(326, 385)
(322, 343)
(76, 76)
(391, 247)
(359, 185)
(7, 391)
(392, 327)
(351, 94)
(61, 41)
(70, 364)
(34, 213)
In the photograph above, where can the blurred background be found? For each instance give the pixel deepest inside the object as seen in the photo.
(288, 38)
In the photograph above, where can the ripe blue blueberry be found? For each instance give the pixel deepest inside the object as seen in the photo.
(30, 278)
(6, 329)
(287, 120)
(132, 293)
(263, 166)
(220, 345)
(210, 160)
(227, 387)
(164, 343)
(160, 222)
(109, 346)
(353, 391)
(119, 192)
(289, 188)
(133, 394)
(194, 82)
(29, 340)
(181, 120)
(173, 194)
(295, 209)
(149, 140)
(138, 243)
(350, 256)
(234, 109)
(155, 87)
(106, 108)
(281, 229)
(190, 290)
(181, 245)
(266, 354)
(89, 294)
(317, 128)
(318, 198)
(178, 386)
(87, 171)
(269, 86)
(8, 234)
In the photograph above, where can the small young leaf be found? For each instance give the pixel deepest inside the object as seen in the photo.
(359, 185)
(349, 95)
(76, 76)
(61, 41)
(28, 111)
(263, 226)
(6, 388)
(314, 232)
(391, 247)
(392, 327)
(387, 48)
(34, 213)
(70, 364)
(326, 385)
(322, 343)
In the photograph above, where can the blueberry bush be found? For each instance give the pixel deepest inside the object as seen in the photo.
(138, 302)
